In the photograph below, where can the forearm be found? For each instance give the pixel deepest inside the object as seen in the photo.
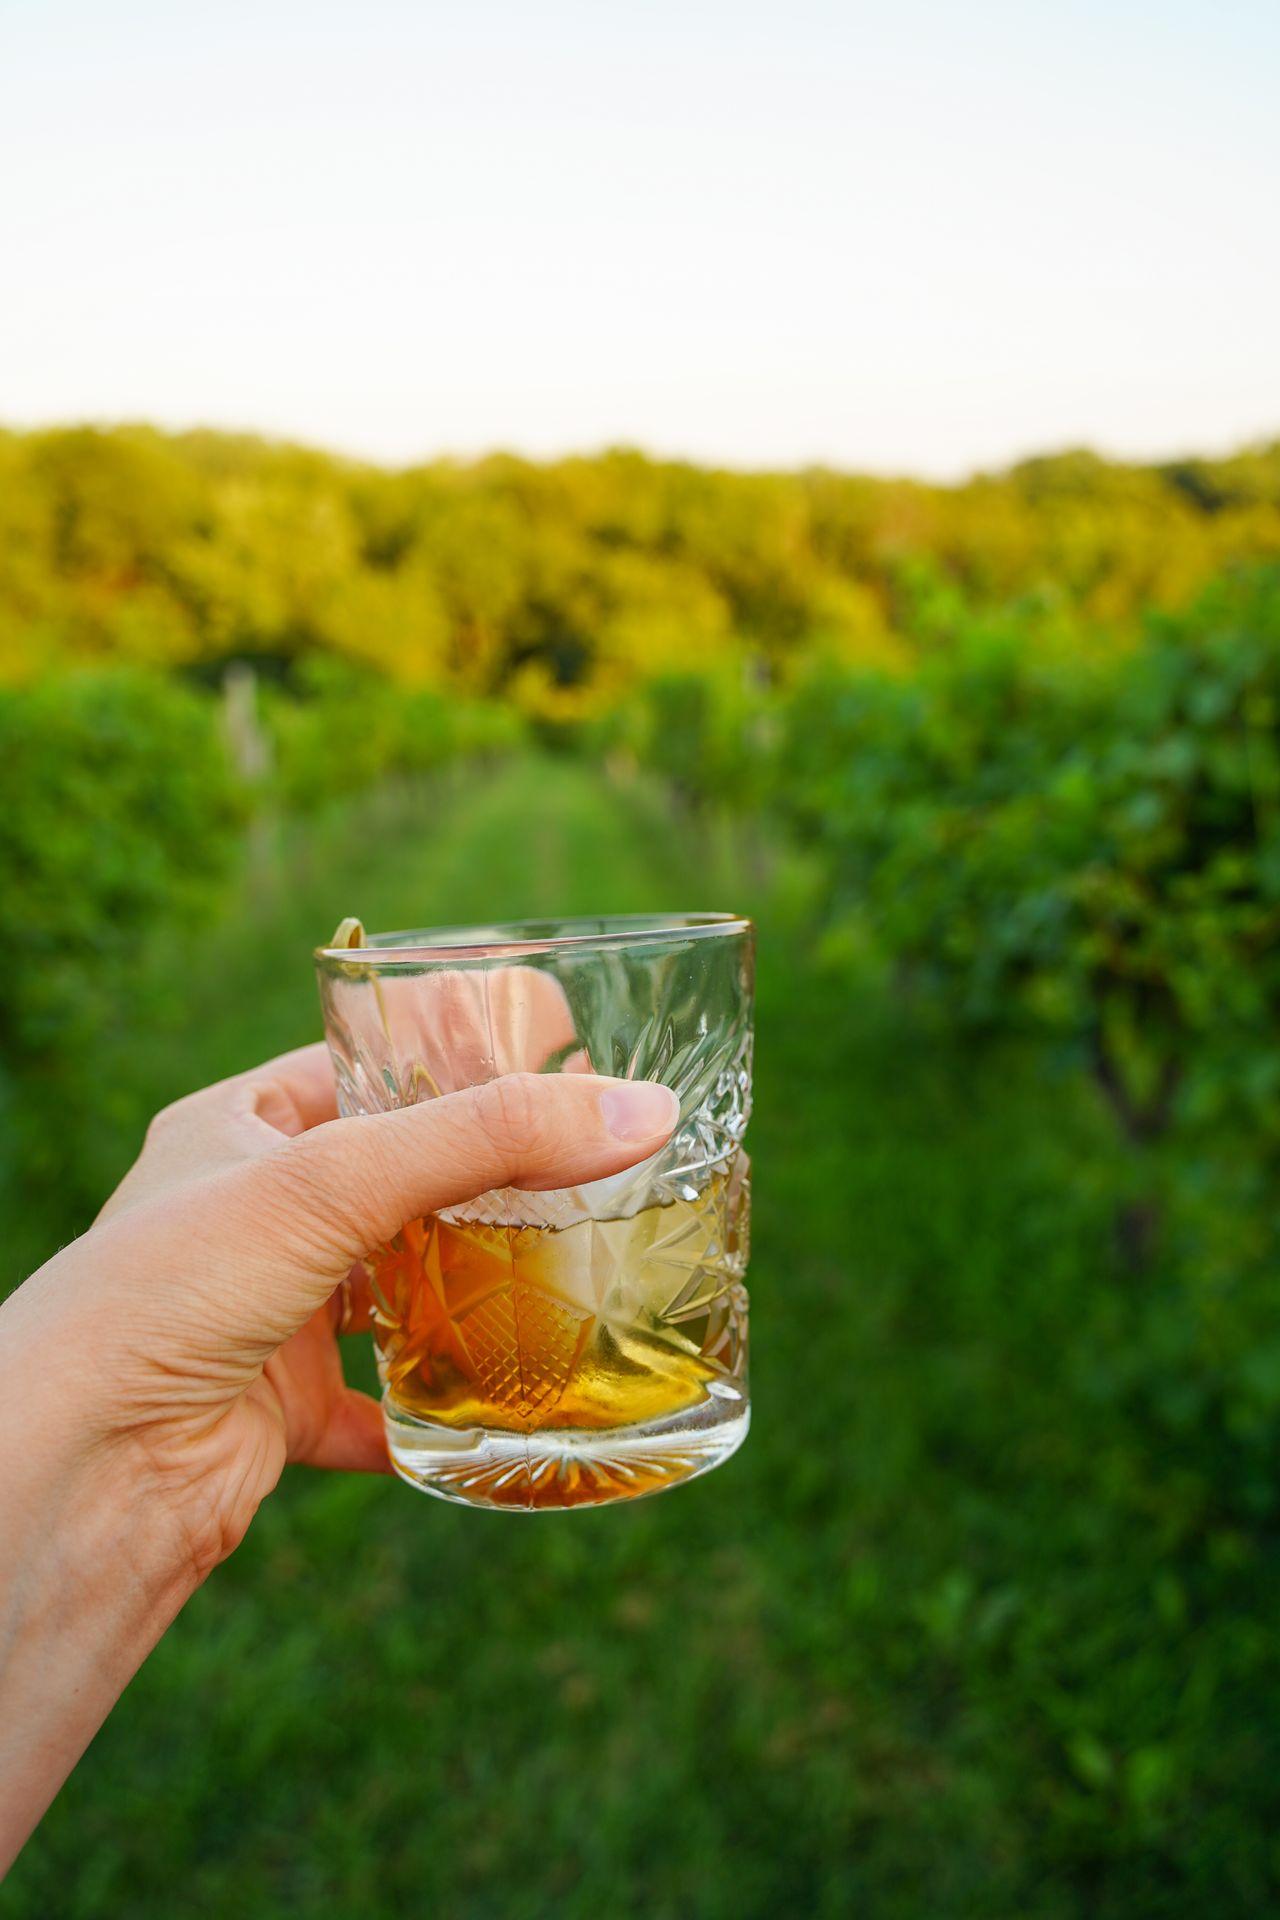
(89, 1580)
(156, 1375)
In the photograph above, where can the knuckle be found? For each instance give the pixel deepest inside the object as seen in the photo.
(163, 1125)
(189, 1115)
(511, 1113)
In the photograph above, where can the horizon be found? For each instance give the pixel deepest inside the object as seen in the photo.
(1266, 442)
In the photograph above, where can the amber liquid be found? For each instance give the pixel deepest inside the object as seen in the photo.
(597, 1325)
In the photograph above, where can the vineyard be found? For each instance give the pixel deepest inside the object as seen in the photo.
(977, 1623)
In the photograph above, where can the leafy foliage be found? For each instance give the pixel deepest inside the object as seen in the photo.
(561, 586)
(119, 821)
(122, 816)
(706, 735)
(342, 729)
(1096, 852)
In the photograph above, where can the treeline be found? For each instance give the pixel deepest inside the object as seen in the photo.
(556, 587)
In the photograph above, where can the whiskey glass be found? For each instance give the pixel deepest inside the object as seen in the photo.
(572, 1347)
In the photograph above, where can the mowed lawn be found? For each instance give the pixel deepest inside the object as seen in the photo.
(918, 1650)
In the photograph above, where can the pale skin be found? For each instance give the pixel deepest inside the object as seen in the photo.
(158, 1373)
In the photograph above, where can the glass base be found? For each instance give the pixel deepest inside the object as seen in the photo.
(560, 1468)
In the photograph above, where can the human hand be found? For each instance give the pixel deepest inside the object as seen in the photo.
(156, 1375)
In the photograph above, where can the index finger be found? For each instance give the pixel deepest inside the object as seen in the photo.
(293, 1092)
(238, 1118)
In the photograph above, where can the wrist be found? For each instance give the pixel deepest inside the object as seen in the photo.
(93, 1571)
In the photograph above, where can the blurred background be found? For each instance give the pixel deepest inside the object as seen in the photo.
(818, 461)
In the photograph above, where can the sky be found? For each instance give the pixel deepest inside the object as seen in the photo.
(917, 236)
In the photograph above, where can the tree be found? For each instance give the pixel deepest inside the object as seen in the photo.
(1092, 854)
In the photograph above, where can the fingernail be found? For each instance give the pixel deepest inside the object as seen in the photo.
(638, 1109)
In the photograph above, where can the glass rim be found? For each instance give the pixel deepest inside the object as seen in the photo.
(512, 938)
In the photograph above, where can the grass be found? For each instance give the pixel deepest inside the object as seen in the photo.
(948, 1638)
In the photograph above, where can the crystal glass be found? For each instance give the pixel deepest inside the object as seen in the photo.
(566, 1348)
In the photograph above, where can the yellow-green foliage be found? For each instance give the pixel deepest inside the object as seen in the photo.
(559, 586)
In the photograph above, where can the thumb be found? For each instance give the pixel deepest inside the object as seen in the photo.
(325, 1197)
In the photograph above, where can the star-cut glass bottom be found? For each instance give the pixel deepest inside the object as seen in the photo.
(534, 1367)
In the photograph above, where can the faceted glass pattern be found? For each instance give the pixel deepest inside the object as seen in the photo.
(543, 1350)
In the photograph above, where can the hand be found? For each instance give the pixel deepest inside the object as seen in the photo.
(156, 1375)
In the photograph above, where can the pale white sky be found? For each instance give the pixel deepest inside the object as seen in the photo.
(920, 235)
